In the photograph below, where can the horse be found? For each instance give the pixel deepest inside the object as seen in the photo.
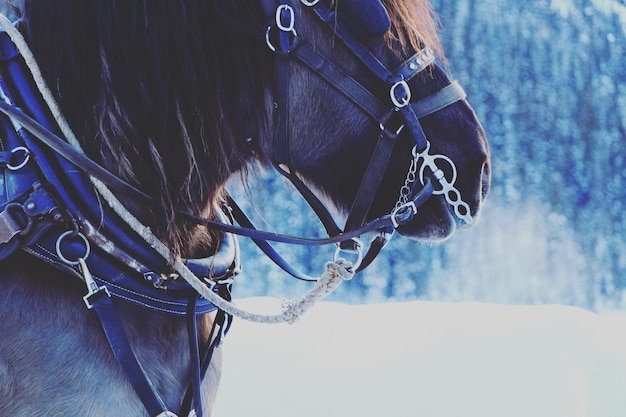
(167, 101)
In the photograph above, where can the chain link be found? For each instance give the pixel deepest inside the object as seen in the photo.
(411, 176)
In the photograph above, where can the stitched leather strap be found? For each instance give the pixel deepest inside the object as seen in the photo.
(116, 336)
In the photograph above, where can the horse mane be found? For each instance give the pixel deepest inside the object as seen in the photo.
(164, 93)
(415, 25)
(161, 93)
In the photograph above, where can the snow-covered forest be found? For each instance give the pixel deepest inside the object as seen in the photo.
(548, 80)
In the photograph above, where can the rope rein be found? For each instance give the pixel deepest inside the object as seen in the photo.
(335, 272)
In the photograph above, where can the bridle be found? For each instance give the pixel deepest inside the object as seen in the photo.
(37, 216)
(285, 45)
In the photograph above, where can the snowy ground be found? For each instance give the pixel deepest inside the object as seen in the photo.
(427, 359)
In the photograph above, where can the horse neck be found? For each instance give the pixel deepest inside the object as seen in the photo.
(46, 305)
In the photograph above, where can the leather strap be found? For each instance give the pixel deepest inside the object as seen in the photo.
(451, 93)
(371, 180)
(359, 95)
(194, 352)
(81, 161)
(68, 152)
(116, 336)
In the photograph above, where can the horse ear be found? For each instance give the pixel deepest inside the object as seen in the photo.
(366, 16)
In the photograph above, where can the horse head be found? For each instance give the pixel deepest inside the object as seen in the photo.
(332, 139)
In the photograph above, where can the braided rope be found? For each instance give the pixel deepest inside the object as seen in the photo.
(334, 274)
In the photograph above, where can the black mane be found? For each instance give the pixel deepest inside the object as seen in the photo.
(161, 93)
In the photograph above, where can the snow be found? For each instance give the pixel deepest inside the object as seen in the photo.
(570, 9)
(426, 359)
(612, 6)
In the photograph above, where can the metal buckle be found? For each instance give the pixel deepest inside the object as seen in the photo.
(291, 15)
(402, 211)
(400, 100)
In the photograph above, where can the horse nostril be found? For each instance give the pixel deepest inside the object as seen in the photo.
(485, 183)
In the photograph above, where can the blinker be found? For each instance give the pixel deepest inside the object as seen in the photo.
(368, 17)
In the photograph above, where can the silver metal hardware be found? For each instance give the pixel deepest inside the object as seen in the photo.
(310, 3)
(212, 284)
(405, 190)
(402, 99)
(384, 128)
(267, 39)
(269, 42)
(159, 280)
(25, 159)
(289, 27)
(448, 190)
(425, 57)
(73, 234)
(92, 287)
(401, 210)
(170, 414)
(358, 250)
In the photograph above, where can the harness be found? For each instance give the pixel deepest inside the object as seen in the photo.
(49, 209)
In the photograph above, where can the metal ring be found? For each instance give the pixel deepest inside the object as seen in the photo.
(292, 18)
(310, 3)
(60, 253)
(24, 162)
(269, 42)
(467, 216)
(453, 196)
(359, 253)
(267, 39)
